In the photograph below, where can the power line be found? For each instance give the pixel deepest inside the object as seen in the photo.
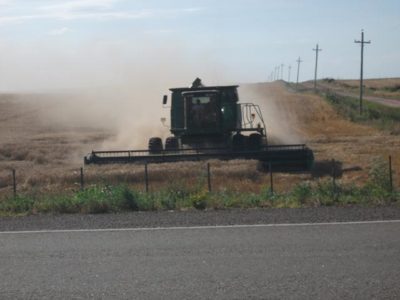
(317, 49)
(282, 65)
(289, 69)
(362, 42)
(299, 61)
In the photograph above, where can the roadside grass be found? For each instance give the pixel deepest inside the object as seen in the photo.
(377, 115)
(104, 198)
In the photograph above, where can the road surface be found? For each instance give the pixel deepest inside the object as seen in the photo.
(336, 260)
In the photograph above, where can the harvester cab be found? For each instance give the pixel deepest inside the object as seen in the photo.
(211, 117)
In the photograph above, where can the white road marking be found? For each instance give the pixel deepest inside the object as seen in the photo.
(199, 227)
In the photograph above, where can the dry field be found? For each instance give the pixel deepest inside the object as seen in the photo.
(44, 138)
(330, 136)
(378, 84)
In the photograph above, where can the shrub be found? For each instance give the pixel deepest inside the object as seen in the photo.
(130, 199)
(302, 192)
(199, 200)
(379, 175)
(18, 204)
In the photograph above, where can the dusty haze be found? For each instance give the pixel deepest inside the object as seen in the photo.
(109, 85)
(113, 85)
(281, 119)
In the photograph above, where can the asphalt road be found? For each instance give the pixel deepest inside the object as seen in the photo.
(290, 261)
(200, 218)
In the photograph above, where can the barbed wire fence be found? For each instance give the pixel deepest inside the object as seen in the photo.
(81, 181)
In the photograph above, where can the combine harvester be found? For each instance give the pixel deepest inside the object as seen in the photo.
(208, 122)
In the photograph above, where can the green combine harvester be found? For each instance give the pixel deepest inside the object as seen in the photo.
(208, 122)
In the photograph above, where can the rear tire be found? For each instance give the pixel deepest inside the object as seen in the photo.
(172, 143)
(155, 145)
(255, 141)
(239, 142)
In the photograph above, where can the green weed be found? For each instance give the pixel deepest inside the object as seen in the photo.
(177, 196)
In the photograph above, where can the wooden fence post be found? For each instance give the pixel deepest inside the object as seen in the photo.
(146, 177)
(209, 177)
(334, 179)
(82, 180)
(271, 179)
(390, 173)
(14, 183)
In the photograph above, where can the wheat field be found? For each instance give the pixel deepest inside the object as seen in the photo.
(45, 137)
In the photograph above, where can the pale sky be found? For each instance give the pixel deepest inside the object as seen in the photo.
(90, 43)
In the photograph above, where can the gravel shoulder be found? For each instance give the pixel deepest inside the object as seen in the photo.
(199, 218)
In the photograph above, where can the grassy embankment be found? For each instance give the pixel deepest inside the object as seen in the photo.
(384, 87)
(374, 114)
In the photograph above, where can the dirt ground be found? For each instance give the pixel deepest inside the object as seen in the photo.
(44, 139)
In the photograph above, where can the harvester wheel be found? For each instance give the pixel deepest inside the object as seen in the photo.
(239, 142)
(155, 145)
(172, 143)
(255, 141)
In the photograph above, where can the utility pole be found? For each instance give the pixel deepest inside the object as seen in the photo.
(317, 49)
(362, 42)
(282, 71)
(290, 68)
(299, 61)
(277, 72)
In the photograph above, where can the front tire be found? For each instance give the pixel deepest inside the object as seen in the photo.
(155, 145)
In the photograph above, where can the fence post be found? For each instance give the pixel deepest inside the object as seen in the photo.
(82, 180)
(333, 179)
(146, 177)
(209, 177)
(390, 173)
(271, 179)
(14, 183)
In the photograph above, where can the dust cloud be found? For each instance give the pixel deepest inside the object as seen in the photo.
(280, 120)
(115, 86)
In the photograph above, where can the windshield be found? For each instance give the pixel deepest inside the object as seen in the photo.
(201, 111)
